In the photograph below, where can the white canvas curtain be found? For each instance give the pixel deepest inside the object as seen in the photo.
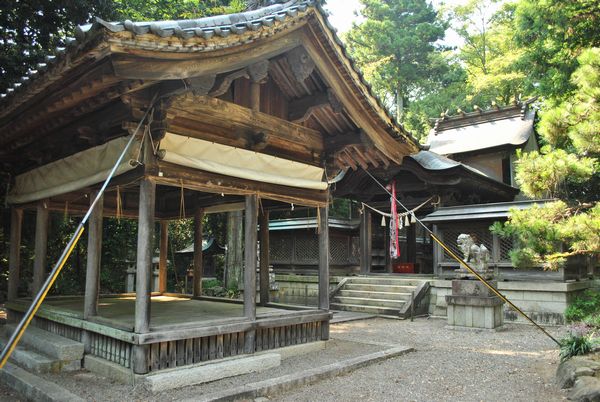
(241, 163)
(72, 173)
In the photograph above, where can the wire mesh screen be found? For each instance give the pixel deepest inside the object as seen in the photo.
(339, 250)
(479, 232)
(354, 257)
(281, 247)
(306, 248)
(505, 246)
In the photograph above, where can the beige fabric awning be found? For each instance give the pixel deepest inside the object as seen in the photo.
(72, 173)
(241, 163)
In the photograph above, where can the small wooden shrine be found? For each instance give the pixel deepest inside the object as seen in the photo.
(247, 111)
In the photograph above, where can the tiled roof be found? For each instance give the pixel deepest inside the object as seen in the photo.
(207, 27)
(475, 131)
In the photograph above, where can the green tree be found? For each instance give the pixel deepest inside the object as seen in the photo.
(553, 33)
(395, 47)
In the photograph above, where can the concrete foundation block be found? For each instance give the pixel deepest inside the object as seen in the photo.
(108, 369)
(212, 371)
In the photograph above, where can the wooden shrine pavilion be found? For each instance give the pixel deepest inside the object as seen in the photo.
(246, 111)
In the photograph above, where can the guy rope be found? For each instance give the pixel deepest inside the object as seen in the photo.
(463, 262)
(41, 295)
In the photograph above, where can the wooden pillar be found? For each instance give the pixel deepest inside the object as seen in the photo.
(411, 243)
(162, 262)
(366, 241)
(324, 266)
(198, 267)
(234, 256)
(14, 260)
(264, 257)
(41, 246)
(255, 96)
(144, 271)
(92, 274)
(250, 238)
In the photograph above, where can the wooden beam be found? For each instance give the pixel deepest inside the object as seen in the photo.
(144, 271)
(324, 266)
(41, 246)
(237, 121)
(198, 267)
(194, 179)
(366, 240)
(162, 262)
(250, 226)
(300, 109)
(171, 65)
(14, 260)
(264, 257)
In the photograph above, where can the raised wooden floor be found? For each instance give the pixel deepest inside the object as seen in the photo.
(182, 330)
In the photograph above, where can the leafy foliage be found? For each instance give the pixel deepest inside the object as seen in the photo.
(540, 232)
(583, 308)
(575, 345)
(395, 47)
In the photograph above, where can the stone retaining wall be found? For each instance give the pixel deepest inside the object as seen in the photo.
(545, 302)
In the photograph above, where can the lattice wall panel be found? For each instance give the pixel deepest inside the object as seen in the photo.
(339, 250)
(307, 249)
(281, 249)
(505, 246)
(480, 233)
(354, 257)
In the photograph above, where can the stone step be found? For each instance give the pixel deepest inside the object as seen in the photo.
(34, 388)
(50, 344)
(374, 295)
(387, 311)
(379, 288)
(368, 280)
(32, 361)
(363, 301)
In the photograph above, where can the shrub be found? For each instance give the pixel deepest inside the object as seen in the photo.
(586, 308)
(579, 342)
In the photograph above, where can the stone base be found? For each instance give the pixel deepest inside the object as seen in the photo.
(473, 305)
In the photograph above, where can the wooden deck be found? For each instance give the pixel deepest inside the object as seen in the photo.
(183, 330)
(165, 311)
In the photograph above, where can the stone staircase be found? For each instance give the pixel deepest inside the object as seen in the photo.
(383, 296)
(40, 352)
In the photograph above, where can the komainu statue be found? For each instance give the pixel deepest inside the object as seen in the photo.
(478, 255)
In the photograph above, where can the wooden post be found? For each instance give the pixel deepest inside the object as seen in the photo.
(250, 238)
(14, 261)
(366, 241)
(255, 96)
(411, 243)
(198, 267)
(144, 271)
(92, 276)
(264, 257)
(324, 267)
(234, 259)
(41, 246)
(162, 262)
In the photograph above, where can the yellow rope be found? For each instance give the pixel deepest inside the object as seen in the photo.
(182, 202)
(119, 206)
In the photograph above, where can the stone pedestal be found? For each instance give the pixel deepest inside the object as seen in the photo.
(473, 305)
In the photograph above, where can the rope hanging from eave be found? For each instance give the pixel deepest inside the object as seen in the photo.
(403, 214)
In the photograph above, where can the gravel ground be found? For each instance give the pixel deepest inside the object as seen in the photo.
(94, 388)
(517, 364)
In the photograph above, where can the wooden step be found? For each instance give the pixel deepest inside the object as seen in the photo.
(374, 295)
(363, 301)
(365, 309)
